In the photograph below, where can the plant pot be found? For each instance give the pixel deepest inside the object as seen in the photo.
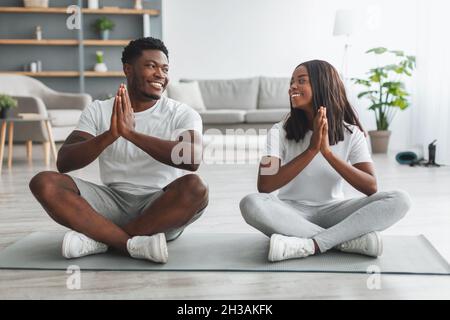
(379, 140)
(100, 67)
(4, 113)
(105, 34)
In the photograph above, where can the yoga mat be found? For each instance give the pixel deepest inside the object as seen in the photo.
(230, 252)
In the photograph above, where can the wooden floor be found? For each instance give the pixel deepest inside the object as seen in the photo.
(20, 215)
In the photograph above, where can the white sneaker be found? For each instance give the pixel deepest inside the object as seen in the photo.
(152, 248)
(282, 247)
(369, 244)
(77, 245)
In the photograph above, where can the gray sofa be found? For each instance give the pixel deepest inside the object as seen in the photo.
(33, 96)
(256, 102)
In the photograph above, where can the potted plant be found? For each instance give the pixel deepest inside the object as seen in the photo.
(6, 102)
(104, 25)
(386, 92)
(100, 66)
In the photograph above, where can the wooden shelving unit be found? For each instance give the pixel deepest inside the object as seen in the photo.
(108, 74)
(46, 74)
(63, 42)
(32, 10)
(46, 42)
(120, 11)
(68, 74)
(83, 10)
(93, 42)
(80, 42)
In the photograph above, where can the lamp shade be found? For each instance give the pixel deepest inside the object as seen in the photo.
(343, 23)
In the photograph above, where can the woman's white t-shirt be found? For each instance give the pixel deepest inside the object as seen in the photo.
(125, 165)
(318, 182)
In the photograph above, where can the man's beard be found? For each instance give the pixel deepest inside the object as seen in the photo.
(136, 84)
(150, 96)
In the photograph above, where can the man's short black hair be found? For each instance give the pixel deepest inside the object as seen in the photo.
(134, 49)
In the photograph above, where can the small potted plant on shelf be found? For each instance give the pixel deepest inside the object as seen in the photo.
(6, 103)
(100, 66)
(386, 92)
(104, 25)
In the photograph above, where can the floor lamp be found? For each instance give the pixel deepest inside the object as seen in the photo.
(343, 26)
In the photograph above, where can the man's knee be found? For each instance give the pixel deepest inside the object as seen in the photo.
(194, 189)
(45, 184)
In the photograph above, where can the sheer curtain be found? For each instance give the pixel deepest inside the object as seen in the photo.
(431, 109)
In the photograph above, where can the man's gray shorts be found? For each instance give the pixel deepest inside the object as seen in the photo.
(121, 207)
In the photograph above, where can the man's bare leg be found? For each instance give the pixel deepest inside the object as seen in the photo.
(59, 196)
(182, 199)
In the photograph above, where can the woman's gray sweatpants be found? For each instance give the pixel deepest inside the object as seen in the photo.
(329, 224)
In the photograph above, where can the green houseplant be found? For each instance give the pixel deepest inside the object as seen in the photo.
(386, 92)
(6, 102)
(100, 66)
(104, 25)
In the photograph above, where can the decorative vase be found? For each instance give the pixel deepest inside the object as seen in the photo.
(35, 3)
(105, 34)
(379, 140)
(93, 4)
(138, 4)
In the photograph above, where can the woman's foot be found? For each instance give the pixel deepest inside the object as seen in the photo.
(369, 244)
(283, 247)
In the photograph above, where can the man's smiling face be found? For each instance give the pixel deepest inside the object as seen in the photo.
(149, 74)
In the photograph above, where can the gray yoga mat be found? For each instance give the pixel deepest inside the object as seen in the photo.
(230, 252)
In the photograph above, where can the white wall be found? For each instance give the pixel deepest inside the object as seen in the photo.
(218, 39)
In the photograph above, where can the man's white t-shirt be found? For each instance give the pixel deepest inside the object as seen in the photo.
(124, 165)
(318, 183)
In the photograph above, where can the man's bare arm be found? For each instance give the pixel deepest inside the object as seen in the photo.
(80, 149)
(186, 153)
(183, 154)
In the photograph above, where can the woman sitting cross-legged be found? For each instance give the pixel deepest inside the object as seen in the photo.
(309, 155)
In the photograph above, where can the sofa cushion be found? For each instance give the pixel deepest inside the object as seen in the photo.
(229, 94)
(266, 116)
(61, 133)
(222, 116)
(188, 93)
(64, 118)
(273, 93)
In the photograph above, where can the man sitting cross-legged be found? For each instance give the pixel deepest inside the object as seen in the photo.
(144, 141)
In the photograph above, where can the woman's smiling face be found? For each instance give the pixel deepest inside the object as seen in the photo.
(300, 92)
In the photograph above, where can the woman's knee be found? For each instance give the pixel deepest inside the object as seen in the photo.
(249, 206)
(401, 202)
